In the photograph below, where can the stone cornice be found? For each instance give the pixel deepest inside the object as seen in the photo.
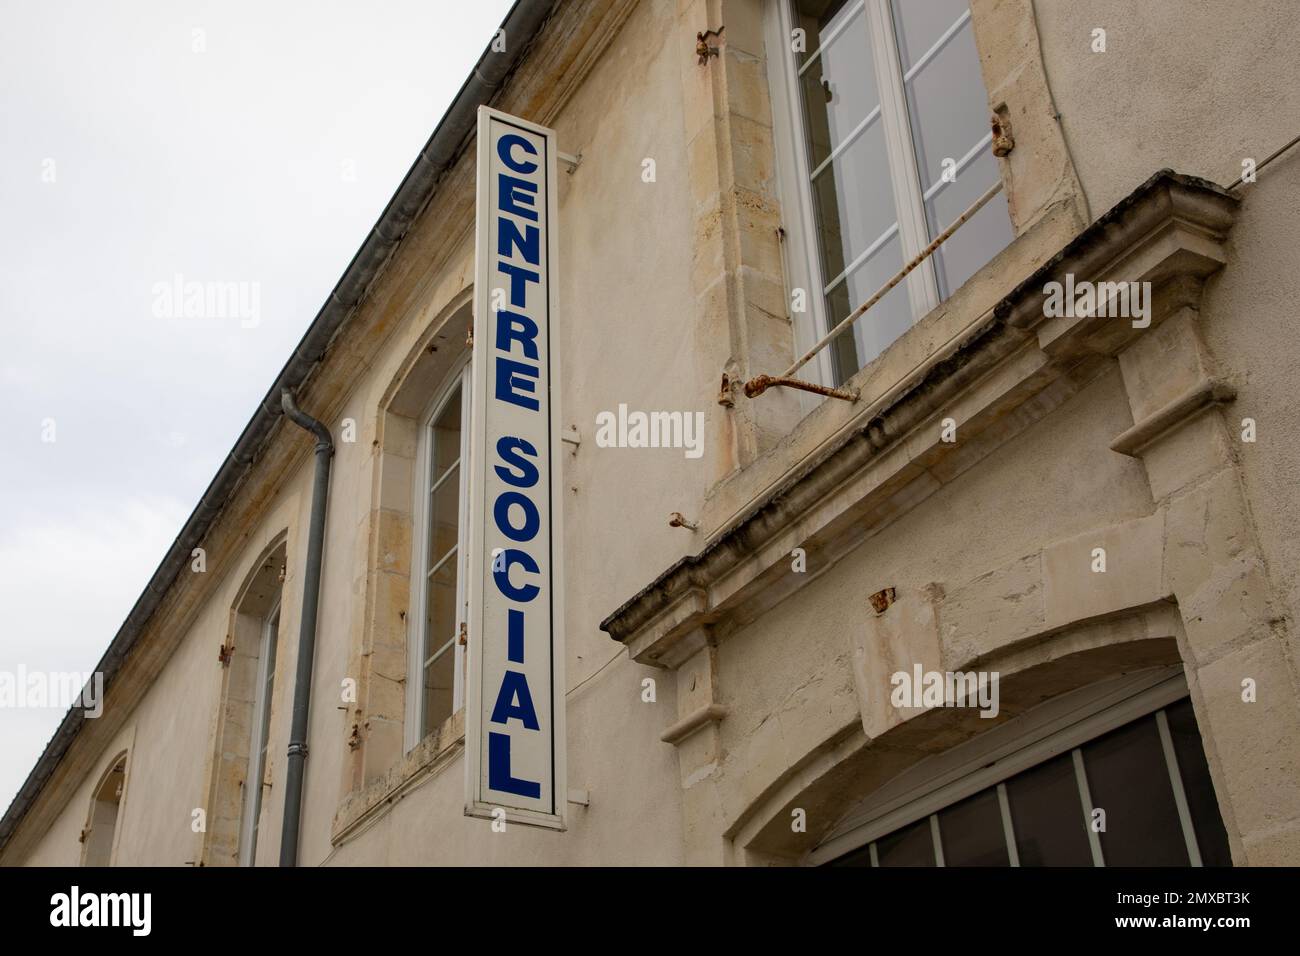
(1168, 232)
(1205, 393)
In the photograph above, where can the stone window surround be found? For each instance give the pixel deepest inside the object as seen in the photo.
(219, 843)
(802, 262)
(738, 158)
(942, 780)
(881, 758)
(1013, 368)
(383, 767)
(120, 758)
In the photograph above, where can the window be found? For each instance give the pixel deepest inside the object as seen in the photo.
(254, 781)
(1038, 803)
(884, 97)
(101, 828)
(241, 764)
(438, 585)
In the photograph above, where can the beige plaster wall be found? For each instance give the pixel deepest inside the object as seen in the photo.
(1199, 87)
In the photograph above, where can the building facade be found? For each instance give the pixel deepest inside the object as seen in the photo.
(1022, 590)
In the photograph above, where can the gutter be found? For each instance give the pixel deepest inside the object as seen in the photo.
(521, 25)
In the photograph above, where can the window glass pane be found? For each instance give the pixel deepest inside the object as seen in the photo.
(440, 606)
(859, 857)
(257, 757)
(1211, 837)
(1046, 815)
(948, 112)
(273, 640)
(445, 450)
(1127, 778)
(444, 515)
(981, 237)
(817, 18)
(972, 833)
(854, 202)
(838, 86)
(910, 846)
(884, 322)
(264, 698)
(919, 26)
(442, 558)
(439, 677)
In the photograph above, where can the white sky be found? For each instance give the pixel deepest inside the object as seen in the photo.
(226, 165)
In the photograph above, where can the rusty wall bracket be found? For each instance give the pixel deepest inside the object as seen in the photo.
(676, 520)
(702, 48)
(724, 392)
(759, 384)
(1000, 126)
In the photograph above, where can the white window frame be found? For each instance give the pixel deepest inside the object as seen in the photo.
(1057, 727)
(803, 259)
(415, 636)
(249, 822)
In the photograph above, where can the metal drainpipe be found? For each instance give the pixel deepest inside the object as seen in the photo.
(307, 632)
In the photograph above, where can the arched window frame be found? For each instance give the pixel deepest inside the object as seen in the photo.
(421, 644)
(255, 782)
(243, 673)
(382, 731)
(1060, 727)
(92, 847)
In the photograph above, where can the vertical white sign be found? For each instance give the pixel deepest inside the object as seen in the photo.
(514, 734)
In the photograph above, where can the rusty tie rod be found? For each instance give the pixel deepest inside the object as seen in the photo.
(759, 384)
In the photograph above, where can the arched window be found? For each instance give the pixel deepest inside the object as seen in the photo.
(259, 738)
(437, 655)
(243, 758)
(409, 658)
(1110, 775)
(101, 825)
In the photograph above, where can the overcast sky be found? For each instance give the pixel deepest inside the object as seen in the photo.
(141, 140)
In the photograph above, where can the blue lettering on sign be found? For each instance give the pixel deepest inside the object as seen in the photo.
(515, 636)
(526, 242)
(513, 327)
(516, 511)
(499, 769)
(509, 384)
(501, 575)
(514, 687)
(519, 279)
(508, 448)
(532, 520)
(515, 196)
(507, 143)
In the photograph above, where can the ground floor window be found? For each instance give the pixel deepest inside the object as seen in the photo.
(1124, 786)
